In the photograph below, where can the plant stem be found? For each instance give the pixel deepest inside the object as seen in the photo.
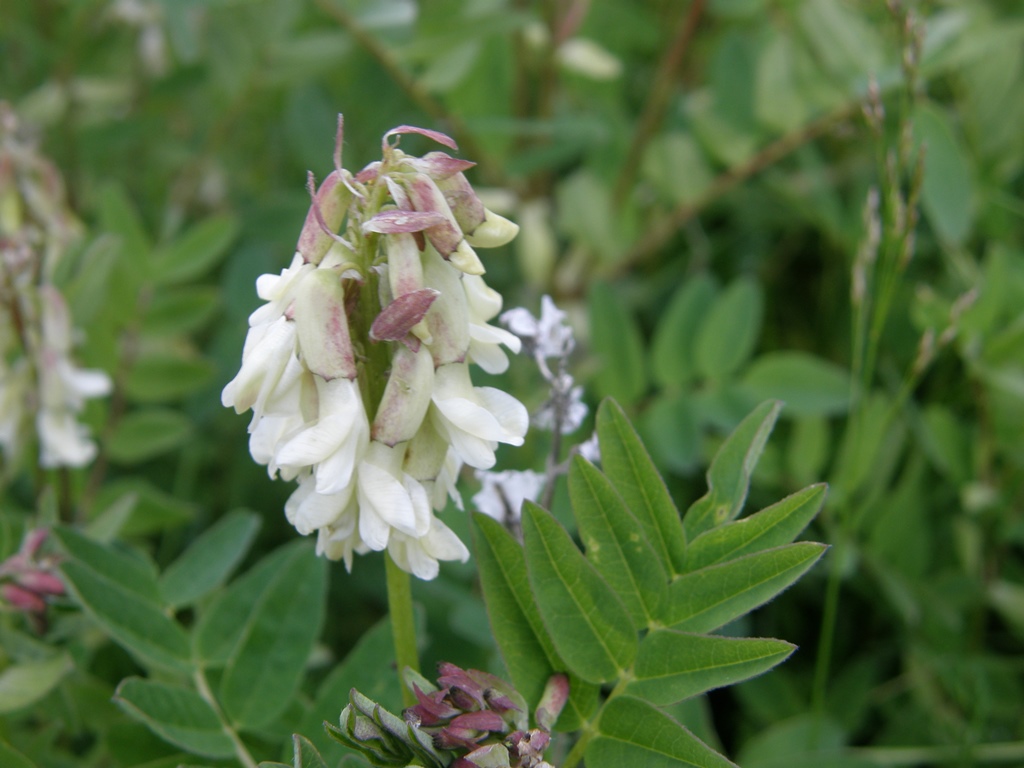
(403, 624)
(658, 98)
(589, 731)
(241, 752)
(660, 232)
(828, 627)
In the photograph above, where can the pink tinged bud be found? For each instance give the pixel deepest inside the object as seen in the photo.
(424, 195)
(398, 318)
(327, 211)
(33, 541)
(494, 231)
(405, 268)
(322, 326)
(448, 318)
(392, 221)
(23, 599)
(41, 583)
(437, 165)
(466, 207)
(369, 173)
(401, 130)
(556, 694)
(406, 397)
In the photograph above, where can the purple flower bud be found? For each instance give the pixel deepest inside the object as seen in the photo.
(23, 599)
(41, 582)
(481, 720)
(556, 694)
(398, 318)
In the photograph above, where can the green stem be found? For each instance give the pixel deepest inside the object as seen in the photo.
(403, 624)
(241, 752)
(828, 628)
(589, 731)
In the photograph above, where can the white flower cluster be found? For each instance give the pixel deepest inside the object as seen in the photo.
(357, 367)
(40, 386)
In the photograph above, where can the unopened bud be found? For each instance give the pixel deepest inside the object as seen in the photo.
(424, 195)
(464, 259)
(466, 207)
(448, 318)
(327, 211)
(406, 397)
(494, 231)
(322, 326)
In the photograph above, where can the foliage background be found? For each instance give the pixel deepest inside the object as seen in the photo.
(691, 182)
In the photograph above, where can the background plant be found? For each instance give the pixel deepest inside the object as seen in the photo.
(691, 184)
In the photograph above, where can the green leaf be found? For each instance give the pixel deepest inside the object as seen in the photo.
(277, 638)
(126, 569)
(136, 623)
(168, 374)
(176, 714)
(615, 544)
(632, 732)
(728, 476)
(144, 434)
(590, 627)
(631, 471)
(196, 251)
(947, 192)
(306, 755)
(617, 345)
(180, 310)
(773, 526)
(672, 666)
(222, 622)
(209, 559)
(808, 385)
(704, 600)
(119, 216)
(25, 683)
(730, 329)
(519, 631)
(12, 758)
(673, 349)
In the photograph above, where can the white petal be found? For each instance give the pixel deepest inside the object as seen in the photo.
(381, 493)
(509, 412)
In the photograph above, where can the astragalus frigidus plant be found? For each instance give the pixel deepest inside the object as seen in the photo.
(357, 369)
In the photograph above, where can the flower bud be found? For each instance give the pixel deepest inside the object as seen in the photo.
(424, 195)
(322, 326)
(493, 231)
(466, 207)
(448, 318)
(326, 214)
(406, 397)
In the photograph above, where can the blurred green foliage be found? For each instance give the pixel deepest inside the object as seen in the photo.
(691, 182)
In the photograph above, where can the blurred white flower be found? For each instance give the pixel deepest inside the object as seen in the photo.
(586, 57)
(546, 336)
(565, 408)
(63, 389)
(502, 494)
